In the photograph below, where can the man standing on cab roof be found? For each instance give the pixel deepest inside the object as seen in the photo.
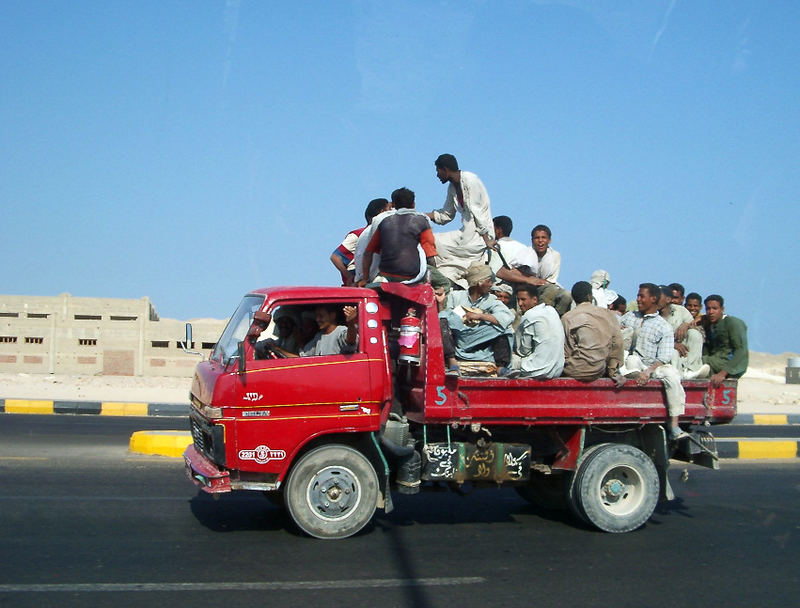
(466, 194)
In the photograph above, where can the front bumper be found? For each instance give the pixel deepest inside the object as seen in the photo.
(205, 474)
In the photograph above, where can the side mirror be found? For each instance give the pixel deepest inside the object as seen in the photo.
(240, 356)
(187, 345)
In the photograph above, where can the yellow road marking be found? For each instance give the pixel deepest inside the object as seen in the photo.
(27, 406)
(770, 419)
(767, 449)
(114, 408)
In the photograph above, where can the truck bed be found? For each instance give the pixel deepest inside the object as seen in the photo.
(568, 401)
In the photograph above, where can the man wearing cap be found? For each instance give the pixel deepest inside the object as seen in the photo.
(466, 194)
(601, 294)
(593, 341)
(539, 265)
(479, 321)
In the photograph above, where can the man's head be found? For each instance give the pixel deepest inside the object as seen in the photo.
(582, 292)
(540, 239)
(446, 165)
(502, 291)
(527, 297)
(666, 297)
(479, 278)
(502, 226)
(715, 307)
(376, 206)
(694, 304)
(676, 292)
(620, 305)
(647, 298)
(325, 316)
(403, 198)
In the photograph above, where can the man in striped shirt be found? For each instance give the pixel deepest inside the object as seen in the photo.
(650, 353)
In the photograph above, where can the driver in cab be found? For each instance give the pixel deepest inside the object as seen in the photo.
(331, 339)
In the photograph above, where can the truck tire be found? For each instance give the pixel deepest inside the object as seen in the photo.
(332, 492)
(616, 487)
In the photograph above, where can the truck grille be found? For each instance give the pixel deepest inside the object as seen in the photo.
(208, 438)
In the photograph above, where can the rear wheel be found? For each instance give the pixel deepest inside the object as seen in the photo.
(616, 487)
(332, 492)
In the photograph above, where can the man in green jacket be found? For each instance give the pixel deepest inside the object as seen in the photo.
(725, 350)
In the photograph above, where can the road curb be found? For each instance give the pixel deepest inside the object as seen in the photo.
(98, 408)
(762, 448)
(160, 443)
(766, 419)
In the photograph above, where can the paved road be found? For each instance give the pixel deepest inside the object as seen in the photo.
(86, 523)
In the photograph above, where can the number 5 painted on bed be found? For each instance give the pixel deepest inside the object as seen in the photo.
(441, 395)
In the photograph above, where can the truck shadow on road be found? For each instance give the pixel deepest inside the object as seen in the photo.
(238, 512)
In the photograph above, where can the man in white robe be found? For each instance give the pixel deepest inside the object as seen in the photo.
(466, 195)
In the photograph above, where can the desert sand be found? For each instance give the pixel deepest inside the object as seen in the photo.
(763, 388)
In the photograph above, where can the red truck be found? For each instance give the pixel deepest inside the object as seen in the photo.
(331, 436)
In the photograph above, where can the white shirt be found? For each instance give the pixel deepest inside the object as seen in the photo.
(510, 250)
(547, 268)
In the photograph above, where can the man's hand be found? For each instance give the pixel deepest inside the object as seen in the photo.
(490, 242)
(716, 379)
(681, 348)
(255, 330)
(643, 378)
(619, 380)
(680, 333)
(472, 317)
(361, 283)
(350, 314)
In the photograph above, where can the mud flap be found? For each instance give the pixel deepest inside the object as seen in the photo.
(698, 448)
(385, 496)
(654, 442)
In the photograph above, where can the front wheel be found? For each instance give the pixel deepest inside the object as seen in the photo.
(616, 487)
(332, 492)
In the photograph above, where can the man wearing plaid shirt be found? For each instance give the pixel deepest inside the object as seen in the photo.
(651, 352)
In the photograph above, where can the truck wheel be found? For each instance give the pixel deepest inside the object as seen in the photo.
(332, 492)
(616, 487)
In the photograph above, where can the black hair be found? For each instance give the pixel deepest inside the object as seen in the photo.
(677, 287)
(652, 289)
(374, 207)
(504, 223)
(542, 228)
(531, 290)
(618, 303)
(403, 198)
(447, 161)
(582, 292)
(716, 298)
(693, 296)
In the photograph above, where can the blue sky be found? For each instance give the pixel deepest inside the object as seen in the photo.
(192, 151)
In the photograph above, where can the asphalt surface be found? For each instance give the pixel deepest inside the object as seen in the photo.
(86, 522)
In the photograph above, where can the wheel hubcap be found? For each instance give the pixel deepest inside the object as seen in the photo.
(333, 493)
(621, 490)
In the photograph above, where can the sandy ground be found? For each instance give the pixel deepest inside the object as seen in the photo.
(763, 388)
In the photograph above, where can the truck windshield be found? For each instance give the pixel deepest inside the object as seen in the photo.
(236, 329)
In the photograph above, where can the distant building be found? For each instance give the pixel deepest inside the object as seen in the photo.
(94, 336)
